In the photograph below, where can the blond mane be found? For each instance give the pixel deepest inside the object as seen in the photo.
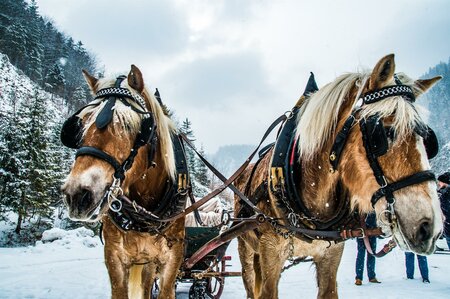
(126, 121)
(318, 117)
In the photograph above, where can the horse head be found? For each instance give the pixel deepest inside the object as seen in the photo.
(375, 144)
(122, 139)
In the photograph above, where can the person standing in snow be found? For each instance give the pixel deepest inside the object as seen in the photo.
(371, 222)
(423, 266)
(444, 196)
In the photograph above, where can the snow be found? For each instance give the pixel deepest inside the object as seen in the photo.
(69, 264)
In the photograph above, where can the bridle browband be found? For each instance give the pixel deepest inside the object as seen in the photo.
(386, 189)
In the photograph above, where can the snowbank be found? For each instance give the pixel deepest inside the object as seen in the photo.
(69, 238)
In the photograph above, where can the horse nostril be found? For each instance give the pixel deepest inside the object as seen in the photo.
(425, 231)
(83, 199)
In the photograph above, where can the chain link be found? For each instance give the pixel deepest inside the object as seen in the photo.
(293, 218)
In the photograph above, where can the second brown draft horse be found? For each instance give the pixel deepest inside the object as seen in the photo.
(358, 146)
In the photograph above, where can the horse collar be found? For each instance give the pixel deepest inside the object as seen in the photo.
(285, 171)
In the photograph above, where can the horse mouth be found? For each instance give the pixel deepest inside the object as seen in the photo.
(409, 243)
(87, 209)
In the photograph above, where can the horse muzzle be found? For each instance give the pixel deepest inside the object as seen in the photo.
(84, 205)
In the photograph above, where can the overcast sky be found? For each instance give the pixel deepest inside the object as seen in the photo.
(232, 66)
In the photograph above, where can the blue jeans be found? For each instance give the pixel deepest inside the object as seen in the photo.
(423, 265)
(448, 241)
(359, 269)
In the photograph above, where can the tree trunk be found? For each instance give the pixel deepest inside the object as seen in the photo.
(19, 223)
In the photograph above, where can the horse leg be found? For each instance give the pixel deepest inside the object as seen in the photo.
(326, 269)
(118, 276)
(148, 279)
(258, 271)
(169, 272)
(247, 256)
(271, 261)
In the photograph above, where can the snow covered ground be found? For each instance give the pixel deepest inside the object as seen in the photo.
(70, 265)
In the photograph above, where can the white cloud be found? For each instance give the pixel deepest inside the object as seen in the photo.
(251, 59)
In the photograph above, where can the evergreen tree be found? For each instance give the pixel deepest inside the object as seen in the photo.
(439, 97)
(12, 160)
(27, 163)
(55, 80)
(35, 49)
(202, 171)
(186, 129)
(79, 97)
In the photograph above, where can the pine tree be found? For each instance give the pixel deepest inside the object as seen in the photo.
(27, 187)
(12, 160)
(55, 80)
(35, 49)
(79, 97)
(203, 176)
(186, 129)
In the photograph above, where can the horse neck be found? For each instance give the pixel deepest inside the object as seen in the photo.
(149, 188)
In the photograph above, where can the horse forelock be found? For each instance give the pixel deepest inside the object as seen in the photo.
(129, 122)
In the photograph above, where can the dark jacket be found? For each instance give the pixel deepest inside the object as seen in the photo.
(444, 196)
(371, 220)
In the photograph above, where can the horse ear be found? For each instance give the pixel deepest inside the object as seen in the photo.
(91, 80)
(423, 85)
(135, 79)
(382, 72)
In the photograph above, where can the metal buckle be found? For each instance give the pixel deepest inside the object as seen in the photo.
(363, 233)
(276, 176)
(182, 182)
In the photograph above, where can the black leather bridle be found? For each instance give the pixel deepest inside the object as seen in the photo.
(72, 128)
(374, 149)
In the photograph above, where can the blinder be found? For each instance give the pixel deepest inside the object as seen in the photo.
(377, 137)
(72, 131)
(430, 141)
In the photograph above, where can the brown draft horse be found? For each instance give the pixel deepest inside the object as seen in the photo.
(417, 224)
(133, 259)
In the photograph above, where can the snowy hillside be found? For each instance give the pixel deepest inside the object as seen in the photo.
(16, 87)
(441, 163)
(70, 265)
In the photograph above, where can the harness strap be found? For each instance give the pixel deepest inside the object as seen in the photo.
(227, 183)
(95, 152)
(413, 179)
(386, 248)
(339, 143)
(389, 91)
(373, 161)
(332, 235)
